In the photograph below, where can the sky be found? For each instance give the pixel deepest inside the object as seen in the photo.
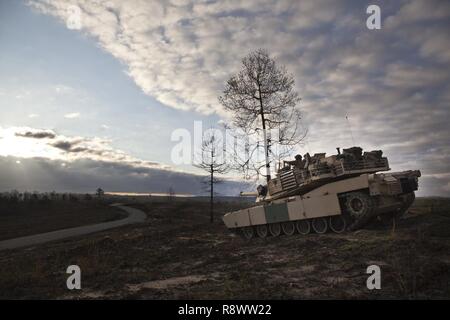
(92, 91)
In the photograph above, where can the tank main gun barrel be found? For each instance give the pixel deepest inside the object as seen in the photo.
(248, 194)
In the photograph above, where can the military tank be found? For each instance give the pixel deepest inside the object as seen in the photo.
(341, 192)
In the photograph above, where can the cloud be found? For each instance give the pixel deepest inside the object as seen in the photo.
(391, 83)
(419, 11)
(68, 146)
(424, 24)
(62, 89)
(85, 175)
(182, 53)
(37, 134)
(411, 76)
(447, 187)
(31, 142)
(72, 115)
(37, 159)
(63, 145)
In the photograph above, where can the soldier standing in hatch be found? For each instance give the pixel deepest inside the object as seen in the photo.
(298, 162)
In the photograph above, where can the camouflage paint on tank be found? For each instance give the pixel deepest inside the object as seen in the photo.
(276, 212)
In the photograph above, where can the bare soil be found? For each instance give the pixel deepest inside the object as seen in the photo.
(177, 253)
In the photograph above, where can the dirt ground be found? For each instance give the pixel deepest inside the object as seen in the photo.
(23, 219)
(177, 253)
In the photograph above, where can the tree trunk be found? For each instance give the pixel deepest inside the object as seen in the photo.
(211, 199)
(266, 145)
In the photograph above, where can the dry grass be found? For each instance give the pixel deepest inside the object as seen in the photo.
(178, 242)
(22, 219)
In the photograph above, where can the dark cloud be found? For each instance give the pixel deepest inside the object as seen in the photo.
(36, 134)
(72, 147)
(64, 145)
(86, 175)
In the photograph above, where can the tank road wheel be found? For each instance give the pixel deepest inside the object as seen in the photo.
(275, 229)
(248, 232)
(358, 207)
(337, 223)
(288, 228)
(262, 230)
(303, 226)
(320, 225)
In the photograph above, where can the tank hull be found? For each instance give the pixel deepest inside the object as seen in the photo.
(352, 202)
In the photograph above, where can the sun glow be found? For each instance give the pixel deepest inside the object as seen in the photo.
(22, 147)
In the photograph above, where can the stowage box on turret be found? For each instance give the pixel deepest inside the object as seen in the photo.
(317, 193)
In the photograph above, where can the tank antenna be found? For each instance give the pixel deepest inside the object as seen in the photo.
(350, 128)
(305, 137)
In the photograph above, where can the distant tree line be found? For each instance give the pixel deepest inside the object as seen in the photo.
(15, 196)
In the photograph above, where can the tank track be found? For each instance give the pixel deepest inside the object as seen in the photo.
(358, 208)
(303, 227)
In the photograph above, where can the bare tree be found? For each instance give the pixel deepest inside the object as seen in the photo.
(171, 194)
(261, 98)
(213, 163)
(99, 192)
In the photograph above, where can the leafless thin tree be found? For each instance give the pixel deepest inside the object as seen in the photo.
(171, 194)
(99, 192)
(262, 99)
(213, 164)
